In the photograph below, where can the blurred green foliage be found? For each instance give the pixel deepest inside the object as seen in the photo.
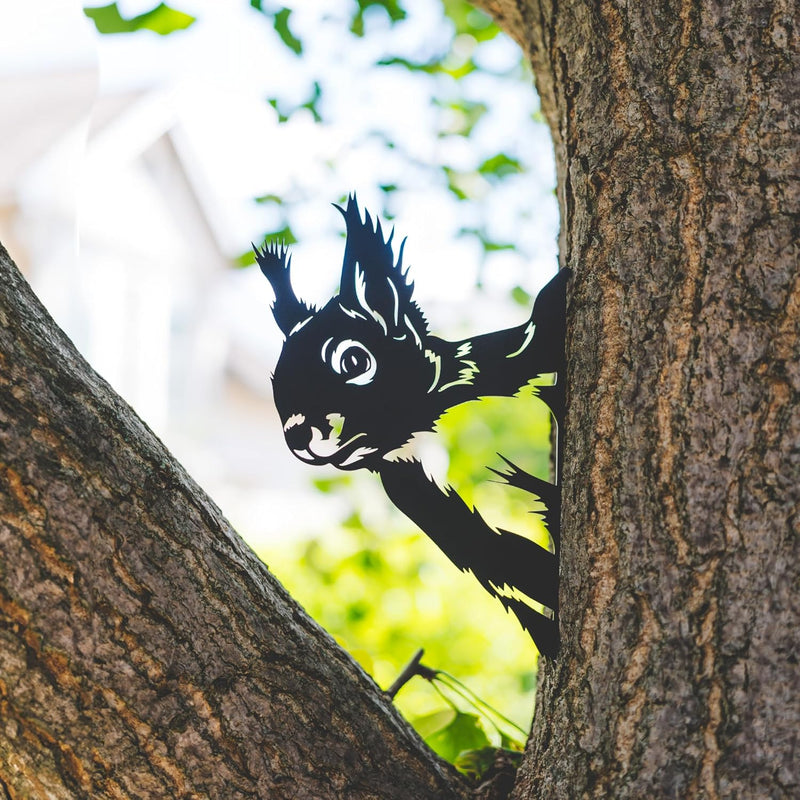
(383, 594)
(460, 736)
(384, 591)
(162, 20)
(393, 9)
(281, 22)
(453, 732)
(444, 61)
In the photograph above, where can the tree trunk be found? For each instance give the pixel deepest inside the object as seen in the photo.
(145, 652)
(677, 135)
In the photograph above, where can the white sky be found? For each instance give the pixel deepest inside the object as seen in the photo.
(223, 68)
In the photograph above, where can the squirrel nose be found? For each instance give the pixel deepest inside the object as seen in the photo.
(298, 437)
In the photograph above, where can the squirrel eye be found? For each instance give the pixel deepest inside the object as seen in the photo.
(354, 361)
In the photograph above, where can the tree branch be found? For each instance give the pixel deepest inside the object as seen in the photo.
(144, 649)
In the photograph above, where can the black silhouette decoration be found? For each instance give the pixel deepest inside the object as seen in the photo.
(359, 376)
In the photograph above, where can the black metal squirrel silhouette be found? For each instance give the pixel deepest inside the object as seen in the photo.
(359, 376)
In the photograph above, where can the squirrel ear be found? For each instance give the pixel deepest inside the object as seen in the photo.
(275, 263)
(371, 280)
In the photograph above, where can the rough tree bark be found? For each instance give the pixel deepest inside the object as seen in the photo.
(677, 135)
(145, 652)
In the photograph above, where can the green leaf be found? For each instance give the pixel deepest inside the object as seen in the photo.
(281, 24)
(284, 113)
(528, 681)
(328, 485)
(476, 763)
(368, 561)
(246, 259)
(269, 198)
(521, 297)
(457, 184)
(311, 103)
(469, 24)
(500, 166)
(464, 115)
(162, 20)
(465, 732)
(357, 611)
(432, 723)
(392, 8)
(510, 743)
(488, 245)
(429, 67)
(457, 69)
(468, 19)
(353, 521)
(454, 67)
(395, 11)
(284, 236)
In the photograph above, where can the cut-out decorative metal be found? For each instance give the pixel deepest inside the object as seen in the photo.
(357, 378)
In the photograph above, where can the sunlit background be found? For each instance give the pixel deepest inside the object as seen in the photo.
(135, 170)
